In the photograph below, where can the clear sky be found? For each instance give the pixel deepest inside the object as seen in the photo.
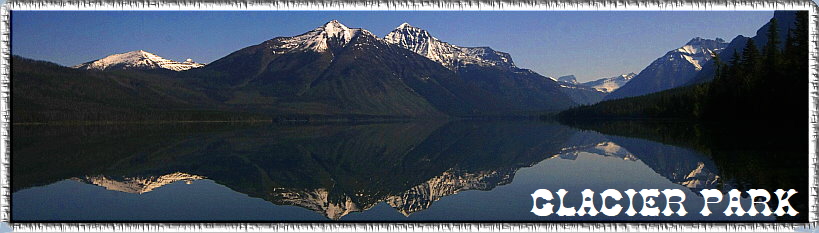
(589, 45)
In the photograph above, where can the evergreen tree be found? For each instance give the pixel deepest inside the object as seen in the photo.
(790, 47)
(718, 66)
(771, 82)
(750, 57)
(771, 51)
(752, 86)
(733, 70)
(801, 34)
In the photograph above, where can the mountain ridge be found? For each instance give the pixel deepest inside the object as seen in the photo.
(676, 68)
(494, 71)
(451, 56)
(137, 60)
(338, 70)
(610, 84)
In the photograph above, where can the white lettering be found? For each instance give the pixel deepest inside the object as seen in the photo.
(588, 202)
(630, 193)
(548, 208)
(706, 194)
(674, 193)
(649, 207)
(733, 198)
(783, 202)
(754, 193)
(563, 211)
(615, 210)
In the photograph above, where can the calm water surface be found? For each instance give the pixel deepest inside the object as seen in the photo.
(412, 171)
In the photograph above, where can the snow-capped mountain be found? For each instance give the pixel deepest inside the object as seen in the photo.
(138, 185)
(137, 60)
(335, 69)
(610, 84)
(593, 143)
(676, 68)
(333, 34)
(415, 199)
(577, 91)
(494, 71)
(451, 56)
(679, 165)
(699, 50)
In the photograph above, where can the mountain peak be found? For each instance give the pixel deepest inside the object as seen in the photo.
(677, 67)
(331, 34)
(450, 56)
(139, 60)
(334, 26)
(144, 54)
(404, 25)
(405, 29)
(568, 79)
(699, 50)
(694, 40)
(703, 41)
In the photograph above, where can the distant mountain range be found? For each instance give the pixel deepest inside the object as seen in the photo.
(332, 70)
(605, 85)
(335, 70)
(610, 84)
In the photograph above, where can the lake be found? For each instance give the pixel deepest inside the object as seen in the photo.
(399, 171)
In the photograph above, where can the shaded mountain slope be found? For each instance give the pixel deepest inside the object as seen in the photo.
(339, 70)
(45, 91)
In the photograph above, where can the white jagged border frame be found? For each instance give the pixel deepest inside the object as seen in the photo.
(420, 5)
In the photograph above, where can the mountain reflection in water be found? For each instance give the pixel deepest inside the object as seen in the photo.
(339, 169)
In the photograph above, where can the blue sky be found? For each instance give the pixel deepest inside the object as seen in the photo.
(588, 44)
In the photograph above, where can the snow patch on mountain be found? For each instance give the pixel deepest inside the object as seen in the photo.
(607, 149)
(137, 60)
(450, 56)
(417, 198)
(609, 84)
(138, 185)
(449, 183)
(319, 200)
(699, 50)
